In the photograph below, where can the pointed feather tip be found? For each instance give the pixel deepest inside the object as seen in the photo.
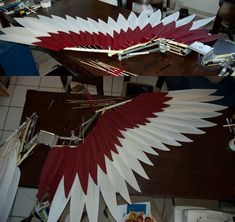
(204, 91)
(202, 22)
(162, 149)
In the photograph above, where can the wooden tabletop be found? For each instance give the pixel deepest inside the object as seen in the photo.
(202, 169)
(154, 64)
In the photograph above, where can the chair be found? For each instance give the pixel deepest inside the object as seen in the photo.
(155, 3)
(225, 19)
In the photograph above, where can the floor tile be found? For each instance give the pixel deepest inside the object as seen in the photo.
(0, 136)
(16, 219)
(116, 93)
(212, 204)
(164, 87)
(19, 95)
(3, 111)
(91, 87)
(24, 202)
(117, 84)
(50, 89)
(51, 81)
(165, 207)
(5, 101)
(40, 57)
(106, 93)
(13, 79)
(13, 118)
(47, 66)
(93, 92)
(28, 80)
(148, 80)
(6, 134)
(107, 83)
(133, 79)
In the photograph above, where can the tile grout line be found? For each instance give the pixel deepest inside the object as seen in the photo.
(112, 86)
(40, 79)
(8, 109)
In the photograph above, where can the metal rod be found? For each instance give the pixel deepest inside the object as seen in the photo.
(139, 48)
(138, 53)
(112, 106)
(91, 120)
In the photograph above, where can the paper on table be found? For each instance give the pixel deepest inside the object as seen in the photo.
(122, 210)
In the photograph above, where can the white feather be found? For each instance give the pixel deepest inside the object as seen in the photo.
(8, 173)
(140, 155)
(92, 200)
(185, 20)
(122, 23)
(113, 24)
(77, 201)
(132, 162)
(53, 22)
(108, 192)
(73, 24)
(132, 21)
(59, 202)
(157, 137)
(175, 128)
(117, 180)
(145, 142)
(142, 20)
(105, 27)
(125, 171)
(37, 25)
(62, 23)
(170, 18)
(195, 98)
(155, 130)
(194, 106)
(152, 140)
(93, 23)
(177, 113)
(141, 145)
(82, 24)
(15, 39)
(202, 22)
(92, 26)
(9, 176)
(10, 193)
(19, 34)
(178, 121)
(192, 91)
(155, 18)
(198, 96)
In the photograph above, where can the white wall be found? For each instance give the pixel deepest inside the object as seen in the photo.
(112, 2)
(210, 6)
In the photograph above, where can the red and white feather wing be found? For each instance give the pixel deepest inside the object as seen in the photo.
(117, 145)
(56, 33)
